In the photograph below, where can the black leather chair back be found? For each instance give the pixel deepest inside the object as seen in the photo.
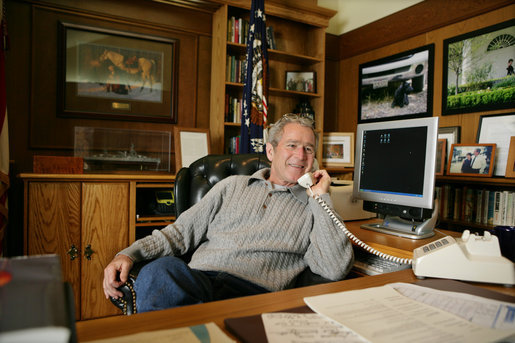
(193, 182)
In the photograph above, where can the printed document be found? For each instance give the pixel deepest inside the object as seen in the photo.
(383, 315)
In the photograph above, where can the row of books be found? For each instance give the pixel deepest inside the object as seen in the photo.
(238, 29)
(234, 145)
(235, 69)
(232, 109)
(476, 205)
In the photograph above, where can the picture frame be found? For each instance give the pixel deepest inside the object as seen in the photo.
(109, 74)
(451, 134)
(475, 71)
(498, 129)
(464, 161)
(338, 149)
(510, 165)
(385, 93)
(441, 149)
(190, 145)
(301, 81)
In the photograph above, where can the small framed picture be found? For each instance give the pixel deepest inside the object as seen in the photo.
(301, 81)
(510, 165)
(440, 156)
(451, 134)
(338, 149)
(497, 129)
(471, 160)
(190, 145)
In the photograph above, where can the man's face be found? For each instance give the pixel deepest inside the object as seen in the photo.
(293, 156)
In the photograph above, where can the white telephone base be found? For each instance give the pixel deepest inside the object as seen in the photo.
(469, 258)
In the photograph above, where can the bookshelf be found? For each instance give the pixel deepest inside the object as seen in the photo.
(463, 202)
(299, 31)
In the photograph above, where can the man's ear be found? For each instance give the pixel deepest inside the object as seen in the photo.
(269, 151)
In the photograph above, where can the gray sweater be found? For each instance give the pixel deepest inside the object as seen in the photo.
(254, 230)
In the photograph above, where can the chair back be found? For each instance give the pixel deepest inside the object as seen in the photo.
(193, 182)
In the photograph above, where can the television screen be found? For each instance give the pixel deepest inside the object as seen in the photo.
(397, 87)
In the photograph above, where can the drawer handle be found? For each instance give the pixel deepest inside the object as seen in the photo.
(88, 252)
(73, 252)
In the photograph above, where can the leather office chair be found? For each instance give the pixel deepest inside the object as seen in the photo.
(191, 184)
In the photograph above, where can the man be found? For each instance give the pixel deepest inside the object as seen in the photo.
(478, 163)
(465, 166)
(251, 234)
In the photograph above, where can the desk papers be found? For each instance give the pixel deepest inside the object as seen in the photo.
(383, 315)
(204, 333)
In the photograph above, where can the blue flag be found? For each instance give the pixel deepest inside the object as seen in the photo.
(255, 89)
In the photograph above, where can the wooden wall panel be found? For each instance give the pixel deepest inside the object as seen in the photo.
(348, 79)
(32, 66)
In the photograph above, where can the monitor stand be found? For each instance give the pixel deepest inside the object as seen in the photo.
(394, 225)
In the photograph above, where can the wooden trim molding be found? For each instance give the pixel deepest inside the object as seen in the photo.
(420, 18)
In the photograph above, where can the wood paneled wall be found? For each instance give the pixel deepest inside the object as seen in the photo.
(32, 62)
(346, 92)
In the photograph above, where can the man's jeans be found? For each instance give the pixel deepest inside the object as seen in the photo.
(169, 282)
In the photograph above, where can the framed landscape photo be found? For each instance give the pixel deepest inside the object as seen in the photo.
(338, 149)
(116, 75)
(471, 160)
(301, 81)
(478, 70)
(441, 151)
(497, 129)
(397, 87)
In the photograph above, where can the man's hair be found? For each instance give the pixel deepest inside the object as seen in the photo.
(510, 60)
(275, 131)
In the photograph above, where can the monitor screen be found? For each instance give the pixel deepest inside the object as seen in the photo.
(395, 167)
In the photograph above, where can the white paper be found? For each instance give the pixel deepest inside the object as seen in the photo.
(204, 333)
(381, 314)
(284, 327)
(194, 145)
(482, 311)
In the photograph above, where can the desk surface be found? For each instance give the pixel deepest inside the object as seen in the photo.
(219, 310)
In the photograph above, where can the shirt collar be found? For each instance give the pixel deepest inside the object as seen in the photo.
(297, 190)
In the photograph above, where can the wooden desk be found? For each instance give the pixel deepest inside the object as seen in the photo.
(219, 310)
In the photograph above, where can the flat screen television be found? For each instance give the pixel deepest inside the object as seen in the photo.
(395, 174)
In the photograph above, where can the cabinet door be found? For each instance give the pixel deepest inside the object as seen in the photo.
(105, 231)
(54, 227)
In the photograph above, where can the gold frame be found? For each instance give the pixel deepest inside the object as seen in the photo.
(195, 135)
(344, 142)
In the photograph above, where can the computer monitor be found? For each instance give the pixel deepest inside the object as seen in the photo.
(395, 175)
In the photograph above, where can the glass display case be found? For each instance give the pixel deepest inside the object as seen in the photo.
(107, 149)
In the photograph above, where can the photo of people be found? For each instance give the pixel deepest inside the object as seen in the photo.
(474, 160)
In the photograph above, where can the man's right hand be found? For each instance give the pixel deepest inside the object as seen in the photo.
(121, 265)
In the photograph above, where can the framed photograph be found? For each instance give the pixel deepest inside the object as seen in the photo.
(478, 70)
(397, 87)
(441, 151)
(301, 81)
(190, 145)
(471, 160)
(510, 166)
(116, 75)
(451, 134)
(338, 149)
(497, 129)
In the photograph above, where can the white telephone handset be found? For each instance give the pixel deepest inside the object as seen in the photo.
(469, 258)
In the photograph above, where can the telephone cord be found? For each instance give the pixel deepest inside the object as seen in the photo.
(354, 238)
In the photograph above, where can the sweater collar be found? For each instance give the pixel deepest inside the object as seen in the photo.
(297, 190)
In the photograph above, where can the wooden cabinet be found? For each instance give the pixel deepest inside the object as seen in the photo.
(86, 220)
(462, 201)
(299, 29)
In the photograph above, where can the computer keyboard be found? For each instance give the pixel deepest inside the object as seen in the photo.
(370, 264)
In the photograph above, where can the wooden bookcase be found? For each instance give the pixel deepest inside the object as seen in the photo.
(300, 46)
(459, 221)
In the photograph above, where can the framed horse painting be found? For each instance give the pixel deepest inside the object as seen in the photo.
(119, 75)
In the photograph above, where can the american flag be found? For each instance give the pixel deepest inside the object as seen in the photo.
(255, 89)
(4, 138)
